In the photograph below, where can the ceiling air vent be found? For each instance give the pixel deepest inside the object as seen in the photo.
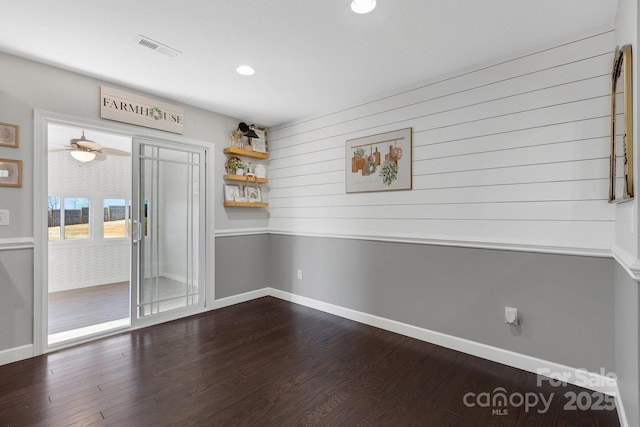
(157, 46)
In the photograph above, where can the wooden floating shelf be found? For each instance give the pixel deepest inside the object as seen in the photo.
(247, 204)
(245, 178)
(246, 153)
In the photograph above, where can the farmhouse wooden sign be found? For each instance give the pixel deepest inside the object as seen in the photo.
(138, 110)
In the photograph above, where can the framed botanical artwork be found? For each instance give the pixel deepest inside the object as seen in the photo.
(231, 192)
(252, 194)
(379, 162)
(10, 173)
(9, 135)
(259, 144)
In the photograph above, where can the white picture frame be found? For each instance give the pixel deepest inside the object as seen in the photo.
(231, 192)
(253, 194)
(259, 145)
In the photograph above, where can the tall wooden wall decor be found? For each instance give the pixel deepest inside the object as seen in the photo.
(621, 129)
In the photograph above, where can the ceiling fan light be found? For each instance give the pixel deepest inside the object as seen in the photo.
(363, 6)
(83, 156)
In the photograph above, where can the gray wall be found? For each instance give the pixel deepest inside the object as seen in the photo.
(242, 264)
(627, 338)
(16, 315)
(27, 85)
(566, 302)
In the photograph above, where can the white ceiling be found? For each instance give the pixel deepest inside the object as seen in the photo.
(310, 57)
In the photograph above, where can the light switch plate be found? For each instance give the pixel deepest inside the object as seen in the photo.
(4, 217)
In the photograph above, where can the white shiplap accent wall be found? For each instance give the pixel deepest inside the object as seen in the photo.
(513, 152)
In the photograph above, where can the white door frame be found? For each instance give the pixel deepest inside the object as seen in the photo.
(42, 119)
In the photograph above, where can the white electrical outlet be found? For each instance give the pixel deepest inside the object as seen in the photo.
(299, 274)
(511, 316)
(4, 217)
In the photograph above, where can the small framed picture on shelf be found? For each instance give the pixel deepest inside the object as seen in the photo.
(231, 193)
(259, 144)
(10, 173)
(9, 135)
(252, 194)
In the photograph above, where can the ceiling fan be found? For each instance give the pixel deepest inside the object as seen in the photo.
(85, 150)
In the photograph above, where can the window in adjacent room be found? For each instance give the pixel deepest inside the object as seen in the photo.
(117, 218)
(68, 218)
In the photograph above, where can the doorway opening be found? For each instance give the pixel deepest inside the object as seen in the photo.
(88, 232)
(126, 247)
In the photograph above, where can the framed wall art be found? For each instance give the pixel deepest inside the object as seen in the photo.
(231, 192)
(259, 144)
(621, 185)
(9, 135)
(252, 194)
(379, 162)
(10, 173)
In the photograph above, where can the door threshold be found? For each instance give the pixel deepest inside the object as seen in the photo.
(74, 334)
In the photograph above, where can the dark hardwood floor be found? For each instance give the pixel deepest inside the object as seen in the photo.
(268, 362)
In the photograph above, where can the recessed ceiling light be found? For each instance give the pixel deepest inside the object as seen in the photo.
(245, 70)
(363, 6)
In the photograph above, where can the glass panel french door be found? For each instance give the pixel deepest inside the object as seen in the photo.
(168, 206)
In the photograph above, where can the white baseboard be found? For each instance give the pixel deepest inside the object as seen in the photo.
(237, 299)
(579, 377)
(179, 278)
(16, 354)
(72, 286)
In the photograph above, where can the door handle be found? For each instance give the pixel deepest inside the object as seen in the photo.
(137, 232)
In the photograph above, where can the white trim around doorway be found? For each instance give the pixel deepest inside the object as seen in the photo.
(42, 119)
